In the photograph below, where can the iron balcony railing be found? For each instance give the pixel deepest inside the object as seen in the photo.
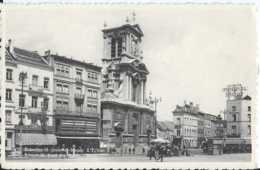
(36, 88)
(79, 96)
(79, 79)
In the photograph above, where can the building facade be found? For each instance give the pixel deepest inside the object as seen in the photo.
(238, 117)
(194, 127)
(124, 88)
(76, 103)
(29, 100)
(186, 123)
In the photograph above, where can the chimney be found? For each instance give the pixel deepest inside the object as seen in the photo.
(10, 47)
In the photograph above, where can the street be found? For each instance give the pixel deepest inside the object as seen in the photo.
(239, 157)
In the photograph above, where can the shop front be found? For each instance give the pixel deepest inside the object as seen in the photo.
(78, 133)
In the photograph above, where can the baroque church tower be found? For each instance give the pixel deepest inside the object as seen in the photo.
(123, 99)
(124, 72)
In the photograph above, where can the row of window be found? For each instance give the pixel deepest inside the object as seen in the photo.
(64, 88)
(234, 117)
(63, 103)
(35, 120)
(35, 79)
(34, 100)
(234, 108)
(188, 118)
(189, 131)
(64, 70)
(234, 129)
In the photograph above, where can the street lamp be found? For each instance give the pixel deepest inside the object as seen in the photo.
(155, 101)
(22, 77)
(44, 117)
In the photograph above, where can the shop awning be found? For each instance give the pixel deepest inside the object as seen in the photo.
(35, 139)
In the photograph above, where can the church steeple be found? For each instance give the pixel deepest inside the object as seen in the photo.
(123, 41)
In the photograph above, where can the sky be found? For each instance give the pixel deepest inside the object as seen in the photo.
(191, 51)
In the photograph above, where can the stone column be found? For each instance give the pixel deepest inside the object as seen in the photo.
(128, 43)
(116, 50)
(141, 95)
(104, 47)
(126, 122)
(144, 91)
(130, 88)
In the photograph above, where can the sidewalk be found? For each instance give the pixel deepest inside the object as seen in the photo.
(139, 158)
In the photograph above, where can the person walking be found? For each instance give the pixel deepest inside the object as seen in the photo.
(133, 150)
(151, 153)
(161, 152)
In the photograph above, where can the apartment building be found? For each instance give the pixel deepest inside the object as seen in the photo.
(76, 102)
(29, 100)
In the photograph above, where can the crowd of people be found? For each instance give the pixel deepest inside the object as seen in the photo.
(159, 151)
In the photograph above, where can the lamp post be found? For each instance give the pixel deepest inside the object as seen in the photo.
(22, 77)
(155, 101)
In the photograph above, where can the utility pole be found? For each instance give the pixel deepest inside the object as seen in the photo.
(22, 77)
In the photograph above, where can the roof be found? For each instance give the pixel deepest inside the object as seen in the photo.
(247, 98)
(74, 61)
(26, 56)
(134, 64)
(135, 28)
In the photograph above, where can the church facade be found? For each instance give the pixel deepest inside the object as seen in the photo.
(123, 99)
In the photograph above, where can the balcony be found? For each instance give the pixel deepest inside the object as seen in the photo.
(37, 110)
(36, 88)
(79, 80)
(79, 98)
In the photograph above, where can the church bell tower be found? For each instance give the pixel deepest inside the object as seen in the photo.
(124, 73)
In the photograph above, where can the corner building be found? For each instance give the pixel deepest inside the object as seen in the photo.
(29, 103)
(238, 117)
(123, 97)
(76, 102)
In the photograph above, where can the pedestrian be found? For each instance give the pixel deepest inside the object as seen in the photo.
(143, 151)
(151, 153)
(161, 152)
(129, 150)
(133, 150)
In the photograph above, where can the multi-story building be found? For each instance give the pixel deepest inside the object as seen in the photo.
(194, 127)
(76, 102)
(220, 127)
(124, 88)
(29, 99)
(209, 125)
(238, 117)
(185, 119)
